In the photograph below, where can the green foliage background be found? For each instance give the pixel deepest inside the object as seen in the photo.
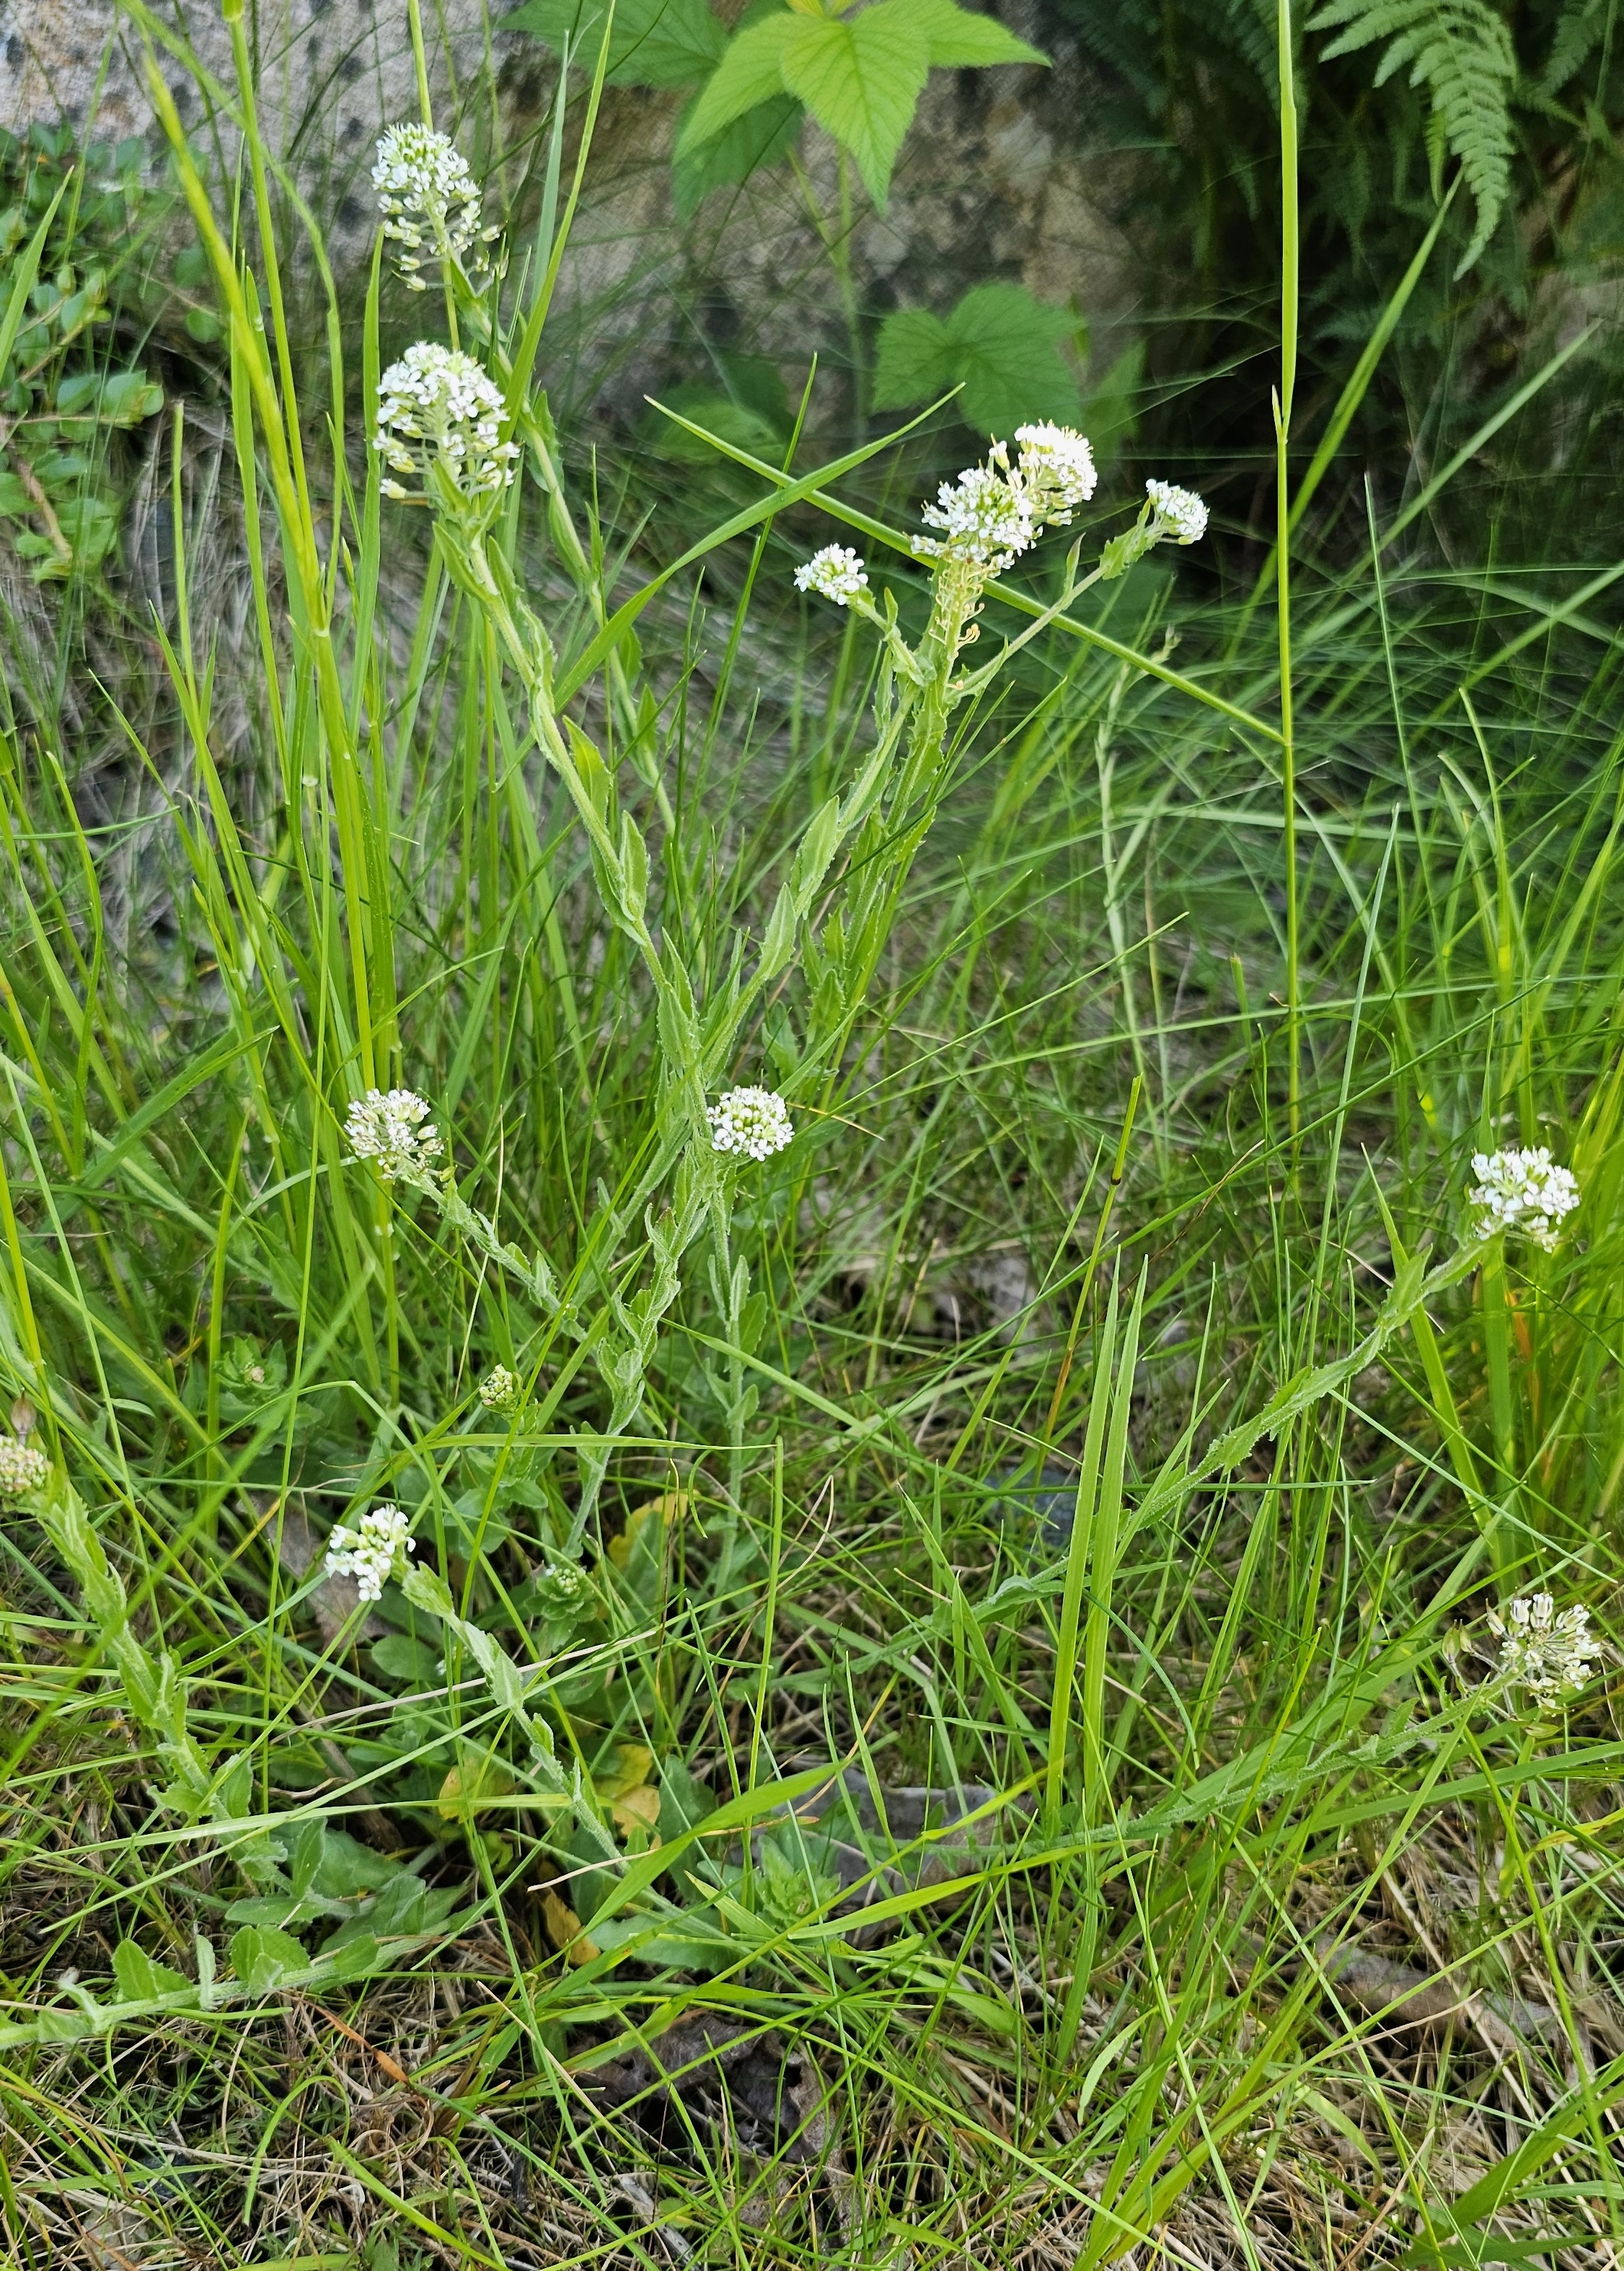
(1063, 1507)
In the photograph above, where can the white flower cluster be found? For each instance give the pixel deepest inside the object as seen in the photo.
(394, 1132)
(985, 518)
(752, 1120)
(438, 406)
(1057, 471)
(499, 1389)
(836, 573)
(22, 1468)
(1548, 1653)
(995, 511)
(1175, 512)
(1522, 1191)
(427, 195)
(374, 1553)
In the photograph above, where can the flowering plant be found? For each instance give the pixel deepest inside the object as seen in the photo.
(1522, 1191)
(428, 198)
(442, 420)
(1546, 1652)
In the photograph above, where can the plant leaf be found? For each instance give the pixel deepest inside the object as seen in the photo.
(750, 73)
(999, 344)
(861, 79)
(565, 1930)
(1461, 51)
(262, 1957)
(760, 136)
(653, 42)
(959, 37)
(141, 1980)
(914, 361)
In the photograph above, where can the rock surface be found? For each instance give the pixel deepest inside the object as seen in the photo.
(328, 74)
(997, 178)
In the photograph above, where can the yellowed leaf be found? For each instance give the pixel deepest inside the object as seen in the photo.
(472, 1783)
(633, 1764)
(636, 1809)
(669, 1507)
(564, 1930)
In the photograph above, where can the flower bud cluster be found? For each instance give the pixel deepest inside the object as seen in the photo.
(1546, 1654)
(753, 1121)
(836, 573)
(1056, 472)
(996, 510)
(985, 518)
(498, 1392)
(428, 197)
(1168, 511)
(1175, 512)
(22, 1468)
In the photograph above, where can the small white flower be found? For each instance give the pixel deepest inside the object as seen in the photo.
(1522, 1191)
(426, 193)
(438, 406)
(395, 1133)
(374, 1552)
(984, 520)
(1056, 472)
(836, 573)
(499, 1389)
(1176, 512)
(753, 1120)
(22, 1468)
(1548, 1655)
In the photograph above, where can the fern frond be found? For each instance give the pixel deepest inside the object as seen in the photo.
(1461, 52)
(1579, 29)
(1252, 34)
(1235, 40)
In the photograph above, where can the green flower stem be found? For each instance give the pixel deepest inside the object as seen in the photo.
(1504, 1538)
(887, 813)
(1282, 403)
(150, 1677)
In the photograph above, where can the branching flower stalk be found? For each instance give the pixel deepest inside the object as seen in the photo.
(1524, 1194)
(431, 207)
(445, 426)
(986, 519)
(991, 515)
